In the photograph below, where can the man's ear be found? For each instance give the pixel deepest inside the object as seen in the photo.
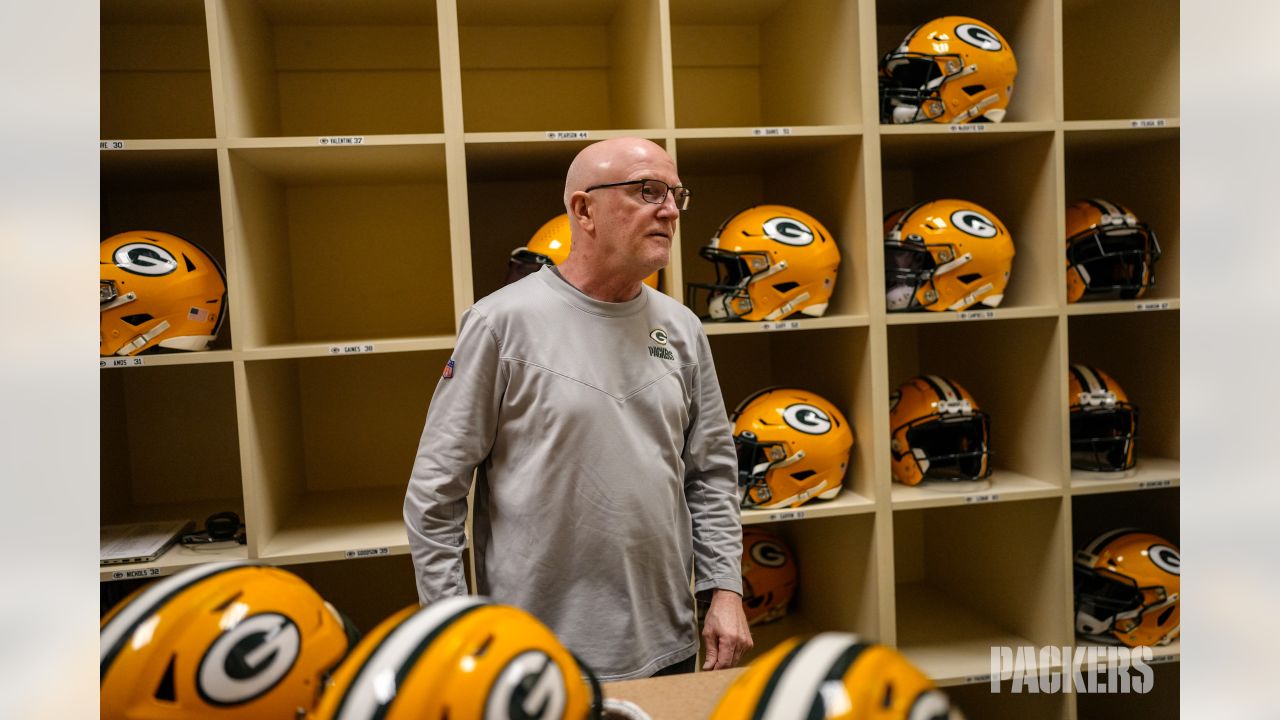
(580, 210)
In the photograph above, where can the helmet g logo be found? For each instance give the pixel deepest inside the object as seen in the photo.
(978, 36)
(768, 554)
(144, 259)
(1165, 558)
(807, 419)
(973, 223)
(788, 231)
(248, 660)
(530, 687)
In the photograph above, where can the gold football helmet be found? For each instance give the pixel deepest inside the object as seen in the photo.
(771, 261)
(461, 657)
(1126, 588)
(1110, 254)
(793, 445)
(945, 255)
(834, 676)
(1104, 424)
(549, 246)
(949, 70)
(938, 432)
(156, 289)
(220, 640)
(768, 576)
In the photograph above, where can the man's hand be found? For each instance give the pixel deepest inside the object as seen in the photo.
(725, 634)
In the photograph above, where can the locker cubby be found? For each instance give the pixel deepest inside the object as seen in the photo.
(1140, 351)
(1148, 185)
(512, 189)
(836, 581)
(169, 451)
(1155, 511)
(822, 175)
(340, 244)
(173, 191)
(1120, 59)
(836, 364)
(1021, 391)
(1160, 701)
(567, 66)
(960, 589)
(1027, 25)
(155, 77)
(330, 445)
(367, 591)
(736, 64)
(977, 701)
(327, 67)
(1013, 175)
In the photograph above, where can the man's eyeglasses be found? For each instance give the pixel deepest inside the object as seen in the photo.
(654, 191)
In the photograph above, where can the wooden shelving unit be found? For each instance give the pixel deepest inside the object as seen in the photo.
(362, 171)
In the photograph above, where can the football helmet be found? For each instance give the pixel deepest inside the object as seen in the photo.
(834, 676)
(949, 70)
(548, 246)
(945, 255)
(793, 445)
(1104, 424)
(1110, 254)
(1126, 589)
(768, 576)
(938, 432)
(220, 640)
(461, 657)
(156, 289)
(771, 261)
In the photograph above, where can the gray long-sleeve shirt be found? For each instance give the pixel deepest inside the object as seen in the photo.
(606, 471)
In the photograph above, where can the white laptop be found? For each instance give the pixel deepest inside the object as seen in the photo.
(139, 542)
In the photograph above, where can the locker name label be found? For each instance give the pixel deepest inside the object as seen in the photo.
(770, 131)
(1145, 484)
(990, 497)
(784, 325)
(350, 349)
(567, 134)
(968, 128)
(789, 515)
(110, 144)
(121, 362)
(1159, 659)
(1163, 305)
(367, 552)
(127, 574)
(342, 140)
(1151, 123)
(974, 679)
(977, 314)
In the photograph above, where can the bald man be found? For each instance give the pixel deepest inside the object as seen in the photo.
(587, 404)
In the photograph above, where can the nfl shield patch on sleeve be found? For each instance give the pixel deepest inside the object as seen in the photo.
(448, 370)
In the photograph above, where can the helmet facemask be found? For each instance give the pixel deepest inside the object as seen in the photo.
(524, 262)
(1102, 438)
(910, 85)
(949, 447)
(729, 297)
(755, 460)
(909, 267)
(1115, 261)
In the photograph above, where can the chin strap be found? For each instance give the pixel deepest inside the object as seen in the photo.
(146, 337)
(118, 301)
(786, 309)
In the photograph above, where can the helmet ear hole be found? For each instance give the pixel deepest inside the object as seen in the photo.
(138, 319)
(786, 287)
(1164, 616)
(974, 89)
(970, 278)
(190, 265)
